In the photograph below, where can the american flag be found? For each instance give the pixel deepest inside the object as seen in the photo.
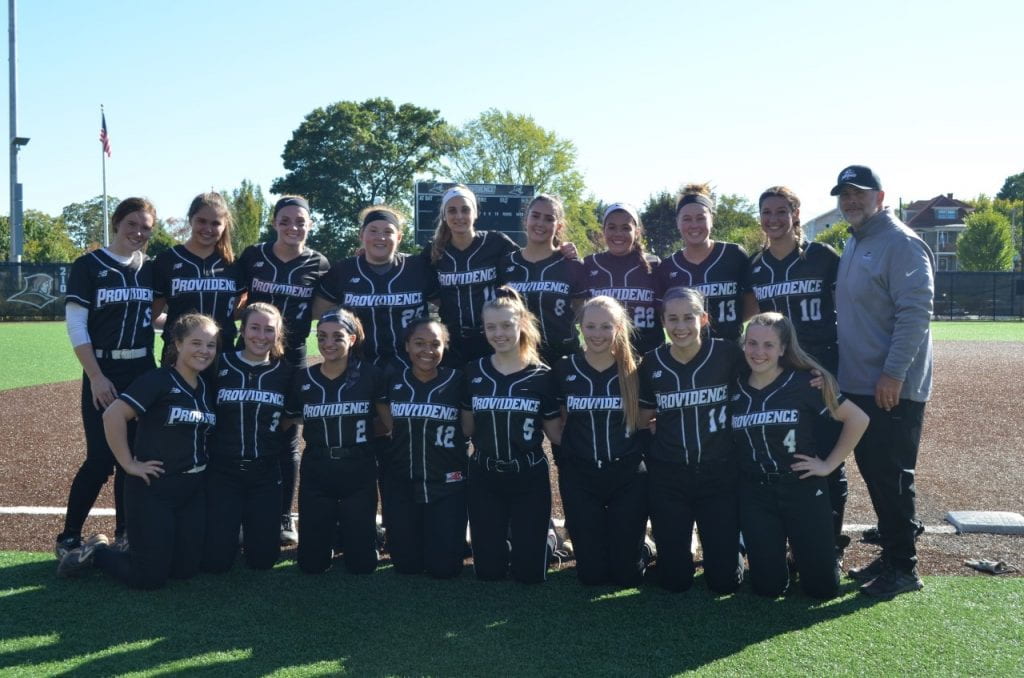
(104, 137)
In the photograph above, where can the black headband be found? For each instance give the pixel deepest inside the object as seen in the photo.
(287, 202)
(343, 320)
(381, 215)
(698, 198)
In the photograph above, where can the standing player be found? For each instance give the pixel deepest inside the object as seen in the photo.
(244, 477)
(625, 273)
(718, 270)
(198, 277)
(783, 486)
(165, 488)
(552, 285)
(339, 402)
(602, 476)
(424, 477)
(386, 289)
(109, 319)
(285, 273)
(692, 471)
(510, 400)
(798, 280)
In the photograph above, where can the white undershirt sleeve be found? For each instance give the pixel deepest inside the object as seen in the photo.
(78, 323)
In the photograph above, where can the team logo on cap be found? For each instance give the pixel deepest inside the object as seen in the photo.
(848, 173)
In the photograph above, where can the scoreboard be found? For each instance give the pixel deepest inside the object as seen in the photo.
(502, 208)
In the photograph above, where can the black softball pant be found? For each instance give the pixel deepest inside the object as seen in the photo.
(289, 458)
(826, 433)
(774, 510)
(242, 494)
(167, 522)
(606, 509)
(680, 496)
(337, 497)
(512, 507)
(99, 462)
(887, 456)
(427, 537)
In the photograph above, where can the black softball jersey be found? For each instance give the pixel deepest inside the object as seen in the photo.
(629, 279)
(119, 298)
(193, 284)
(337, 412)
(549, 287)
(467, 279)
(250, 405)
(723, 280)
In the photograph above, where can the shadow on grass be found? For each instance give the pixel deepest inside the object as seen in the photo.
(249, 623)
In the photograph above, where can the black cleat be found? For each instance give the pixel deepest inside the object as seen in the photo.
(77, 560)
(891, 583)
(868, 572)
(62, 546)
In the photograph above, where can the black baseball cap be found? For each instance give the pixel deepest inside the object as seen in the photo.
(857, 176)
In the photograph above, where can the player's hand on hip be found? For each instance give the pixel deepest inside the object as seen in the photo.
(103, 392)
(145, 469)
(810, 466)
(887, 392)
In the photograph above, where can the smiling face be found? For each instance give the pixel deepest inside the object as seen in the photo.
(858, 204)
(425, 348)
(292, 225)
(501, 327)
(260, 334)
(683, 321)
(380, 240)
(334, 342)
(541, 222)
(197, 350)
(598, 327)
(694, 223)
(778, 218)
(762, 349)
(460, 214)
(134, 231)
(619, 232)
(207, 227)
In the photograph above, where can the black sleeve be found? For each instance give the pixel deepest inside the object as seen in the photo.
(80, 283)
(145, 391)
(328, 287)
(577, 280)
(509, 245)
(161, 279)
(293, 399)
(504, 262)
(550, 408)
(380, 384)
(242, 266)
(646, 395)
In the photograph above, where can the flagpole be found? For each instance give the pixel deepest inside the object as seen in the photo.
(103, 156)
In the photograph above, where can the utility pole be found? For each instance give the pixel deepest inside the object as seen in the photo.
(17, 211)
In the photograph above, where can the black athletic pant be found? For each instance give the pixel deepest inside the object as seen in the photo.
(242, 494)
(99, 459)
(427, 537)
(607, 508)
(512, 507)
(338, 496)
(680, 496)
(780, 507)
(887, 457)
(826, 433)
(166, 520)
(289, 459)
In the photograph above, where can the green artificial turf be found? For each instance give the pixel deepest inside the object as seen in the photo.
(289, 624)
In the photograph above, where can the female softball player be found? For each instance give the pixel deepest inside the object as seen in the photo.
(510, 406)
(625, 273)
(244, 476)
(692, 471)
(552, 285)
(285, 273)
(198, 276)
(339, 402)
(386, 289)
(783, 486)
(110, 323)
(424, 476)
(602, 476)
(798, 280)
(165, 489)
(718, 270)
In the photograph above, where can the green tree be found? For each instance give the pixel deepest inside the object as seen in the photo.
(835, 235)
(85, 220)
(986, 244)
(250, 213)
(161, 239)
(350, 155)
(510, 148)
(659, 217)
(5, 238)
(47, 240)
(1013, 188)
(736, 221)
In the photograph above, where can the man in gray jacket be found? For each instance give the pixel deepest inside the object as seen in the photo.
(884, 296)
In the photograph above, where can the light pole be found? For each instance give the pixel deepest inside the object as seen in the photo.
(16, 218)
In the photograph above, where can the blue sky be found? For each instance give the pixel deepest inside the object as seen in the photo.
(201, 95)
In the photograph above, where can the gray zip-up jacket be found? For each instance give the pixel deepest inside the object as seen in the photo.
(884, 296)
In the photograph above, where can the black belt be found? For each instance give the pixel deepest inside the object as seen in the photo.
(630, 459)
(340, 452)
(243, 465)
(772, 477)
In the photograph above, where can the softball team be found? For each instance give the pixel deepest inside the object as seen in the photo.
(783, 489)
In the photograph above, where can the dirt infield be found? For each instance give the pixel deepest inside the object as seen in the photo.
(972, 457)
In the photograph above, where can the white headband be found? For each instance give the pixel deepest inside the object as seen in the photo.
(623, 206)
(455, 192)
